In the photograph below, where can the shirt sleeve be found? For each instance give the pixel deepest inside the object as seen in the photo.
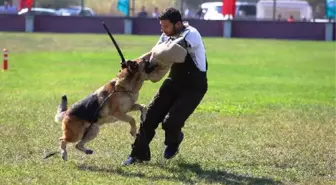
(193, 39)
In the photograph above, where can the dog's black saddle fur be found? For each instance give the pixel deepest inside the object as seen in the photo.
(87, 109)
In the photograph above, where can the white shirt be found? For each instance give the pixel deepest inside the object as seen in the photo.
(195, 47)
(155, 14)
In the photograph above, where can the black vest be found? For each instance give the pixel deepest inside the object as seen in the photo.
(187, 75)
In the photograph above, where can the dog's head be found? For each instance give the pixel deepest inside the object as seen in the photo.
(132, 67)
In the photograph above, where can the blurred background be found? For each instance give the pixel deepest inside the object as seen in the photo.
(281, 10)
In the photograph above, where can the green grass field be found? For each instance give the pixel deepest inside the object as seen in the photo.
(268, 116)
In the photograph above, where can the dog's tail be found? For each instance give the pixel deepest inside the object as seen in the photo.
(62, 108)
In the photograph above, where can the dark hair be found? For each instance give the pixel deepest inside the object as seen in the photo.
(171, 14)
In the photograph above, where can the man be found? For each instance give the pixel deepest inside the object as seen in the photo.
(143, 12)
(156, 12)
(290, 19)
(8, 8)
(179, 94)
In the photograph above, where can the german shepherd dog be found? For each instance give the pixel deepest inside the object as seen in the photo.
(109, 103)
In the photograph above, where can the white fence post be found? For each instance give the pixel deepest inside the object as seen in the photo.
(29, 23)
(227, 28)
(128, 26)
(329, 31)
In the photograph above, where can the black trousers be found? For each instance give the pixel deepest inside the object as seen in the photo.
(172, 105)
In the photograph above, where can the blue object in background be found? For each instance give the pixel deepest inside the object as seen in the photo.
(330, 10)
(123, 6)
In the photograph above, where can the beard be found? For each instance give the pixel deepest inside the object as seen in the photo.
(175, 31)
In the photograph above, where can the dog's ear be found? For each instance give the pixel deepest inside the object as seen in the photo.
(123, 65)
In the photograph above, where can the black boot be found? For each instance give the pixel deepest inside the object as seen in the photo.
(137, 156)
(172, 150)
(130, 161)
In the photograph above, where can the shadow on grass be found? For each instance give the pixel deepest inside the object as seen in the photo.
(181, 173)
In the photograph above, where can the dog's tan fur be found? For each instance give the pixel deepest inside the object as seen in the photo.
(121, 94)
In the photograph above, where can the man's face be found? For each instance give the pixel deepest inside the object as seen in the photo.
(167, 27)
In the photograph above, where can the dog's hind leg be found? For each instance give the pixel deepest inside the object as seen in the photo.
(64, 153)
(130, 120)
(90, 134)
